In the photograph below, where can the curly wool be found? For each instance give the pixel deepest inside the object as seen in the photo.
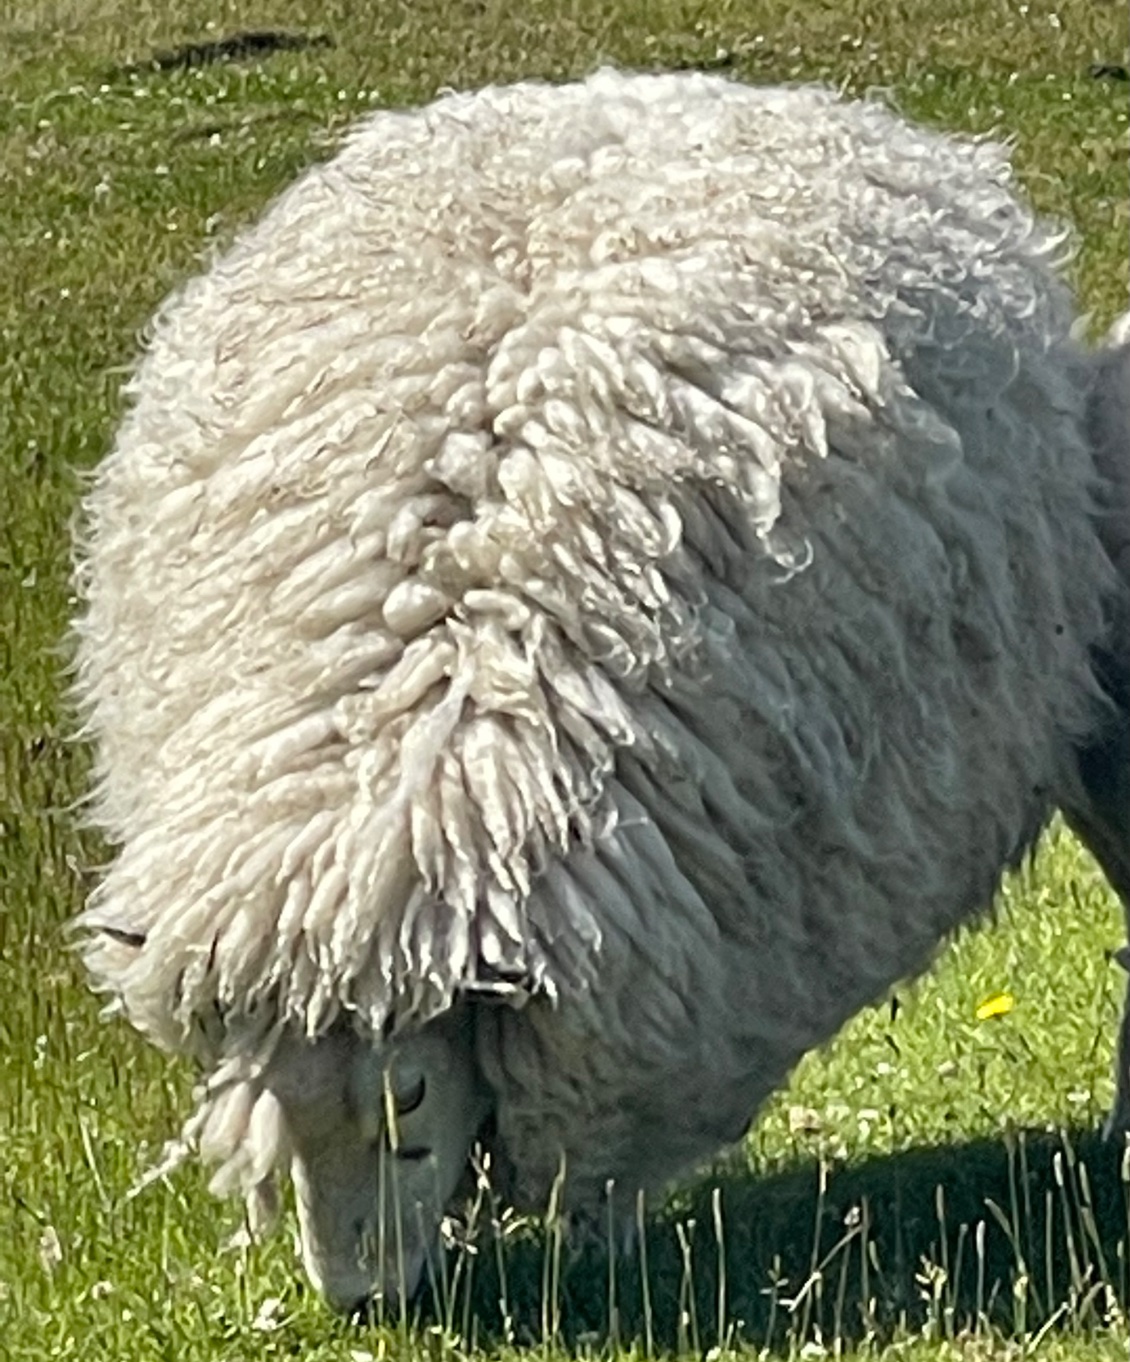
(623, 546)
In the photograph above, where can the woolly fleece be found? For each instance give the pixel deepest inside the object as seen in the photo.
(622, 549)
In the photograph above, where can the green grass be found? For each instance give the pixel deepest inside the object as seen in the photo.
(912, 1194)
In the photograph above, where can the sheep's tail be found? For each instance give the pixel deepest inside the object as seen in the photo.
(1101, 813)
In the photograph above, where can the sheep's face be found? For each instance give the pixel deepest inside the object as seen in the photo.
(380, 1141)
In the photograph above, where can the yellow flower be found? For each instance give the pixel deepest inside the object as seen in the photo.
(995, 1005)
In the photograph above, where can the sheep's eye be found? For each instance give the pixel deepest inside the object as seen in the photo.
(408, 1101)
(415, 1153)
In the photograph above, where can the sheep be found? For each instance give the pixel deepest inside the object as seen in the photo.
(590, 591)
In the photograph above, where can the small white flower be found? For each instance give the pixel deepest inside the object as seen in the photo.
(266, 1317)
(50, 1250)
(804, 1120)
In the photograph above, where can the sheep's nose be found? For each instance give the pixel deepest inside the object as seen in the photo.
(366, 1309)
(361, 1311)
(356, 1308)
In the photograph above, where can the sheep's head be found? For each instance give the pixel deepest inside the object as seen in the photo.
(380, 1138)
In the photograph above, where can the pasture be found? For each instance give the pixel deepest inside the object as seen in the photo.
(933, 1185)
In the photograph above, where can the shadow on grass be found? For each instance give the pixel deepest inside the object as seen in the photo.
(1016, 1232)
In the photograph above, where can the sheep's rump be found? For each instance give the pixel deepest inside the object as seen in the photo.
(625, 544)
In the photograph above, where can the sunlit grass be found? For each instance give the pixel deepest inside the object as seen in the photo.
(829, 1225)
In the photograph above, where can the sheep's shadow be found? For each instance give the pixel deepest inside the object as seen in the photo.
(1013, 1230)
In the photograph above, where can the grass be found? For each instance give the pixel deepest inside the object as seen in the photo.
(930, 1187)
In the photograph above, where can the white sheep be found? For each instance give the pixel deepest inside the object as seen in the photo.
(591, 590)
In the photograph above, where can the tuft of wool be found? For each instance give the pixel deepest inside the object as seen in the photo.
(622, 548)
